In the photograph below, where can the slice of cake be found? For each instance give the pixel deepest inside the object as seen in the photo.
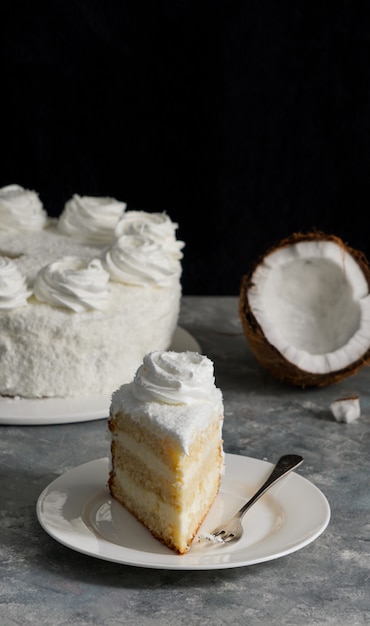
(167, 451)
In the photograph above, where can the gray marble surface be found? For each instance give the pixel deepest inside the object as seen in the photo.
(326, 582)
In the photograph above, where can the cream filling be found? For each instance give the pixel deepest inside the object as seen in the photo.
(146, 456)
(157, 466)
(182, 521)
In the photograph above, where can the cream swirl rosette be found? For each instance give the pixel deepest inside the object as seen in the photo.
(91, 219)
(140, 260)
(13, 287)
(157, 226)
(73, 283)
(21, 209)
(175, 378)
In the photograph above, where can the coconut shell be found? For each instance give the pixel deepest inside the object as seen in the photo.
(268, 355)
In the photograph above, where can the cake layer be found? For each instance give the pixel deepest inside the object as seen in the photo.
(174, 526)
(175, 482)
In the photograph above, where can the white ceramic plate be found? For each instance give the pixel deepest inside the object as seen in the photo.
(77, 510)
(29, 411)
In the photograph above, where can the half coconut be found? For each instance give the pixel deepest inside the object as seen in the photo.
(305, 309)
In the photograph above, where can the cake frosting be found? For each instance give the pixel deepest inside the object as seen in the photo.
(173, 378)
(21, 209)
(79, 308)
(91, 219)
(173, 394)
(166, 449)
(73, 283)
(13, 286)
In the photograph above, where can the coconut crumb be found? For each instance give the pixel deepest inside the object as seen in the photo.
(211, 538)
(346, 409)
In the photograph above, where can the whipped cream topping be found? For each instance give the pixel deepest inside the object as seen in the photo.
(73, 283)
(91, 219)
(13, 287)
(140, 260)
(158, 226)
(21, 209)
(175, 378)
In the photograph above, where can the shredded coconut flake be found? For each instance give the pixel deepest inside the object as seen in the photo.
(346, 409)
(211, 538)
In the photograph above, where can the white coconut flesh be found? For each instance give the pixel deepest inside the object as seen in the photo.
(312, 301)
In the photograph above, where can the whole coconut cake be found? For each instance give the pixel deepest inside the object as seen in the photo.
(82, 297)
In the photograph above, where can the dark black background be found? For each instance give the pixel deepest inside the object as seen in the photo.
(245, 121)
